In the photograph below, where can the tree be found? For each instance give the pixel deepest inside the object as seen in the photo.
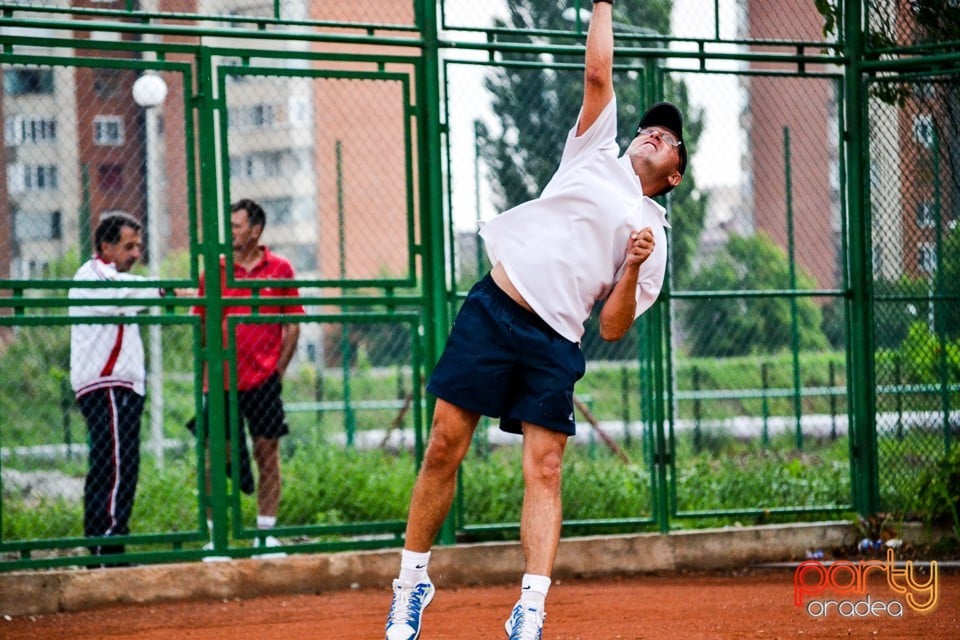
(729, 326)
(537, 97)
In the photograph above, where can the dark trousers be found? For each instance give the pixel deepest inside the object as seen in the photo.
(113, 422)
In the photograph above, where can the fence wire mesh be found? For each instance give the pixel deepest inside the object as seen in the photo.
(729, 401)
(915, 187)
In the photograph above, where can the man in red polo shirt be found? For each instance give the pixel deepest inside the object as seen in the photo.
(263, 353)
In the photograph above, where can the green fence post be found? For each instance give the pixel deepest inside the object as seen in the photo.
(215, 351)
(792, 265)
(765, 403)
(861, 383)
(625, 400)
(437, 309)
(833, 400)
(697, 435)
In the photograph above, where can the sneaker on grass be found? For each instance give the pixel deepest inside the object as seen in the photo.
(406, 610)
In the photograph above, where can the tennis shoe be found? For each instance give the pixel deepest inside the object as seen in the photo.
(406, 610)
(269, 542)
(525, 623)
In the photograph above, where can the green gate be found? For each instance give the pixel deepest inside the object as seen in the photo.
(800, 364)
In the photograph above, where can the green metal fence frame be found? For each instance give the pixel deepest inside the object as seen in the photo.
(429, 312)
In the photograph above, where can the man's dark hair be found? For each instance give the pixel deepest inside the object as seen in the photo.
(110, 226)
(255, 213)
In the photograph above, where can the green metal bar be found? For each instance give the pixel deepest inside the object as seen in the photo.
(695, 383)
(861, 380)
(765, 402)
(437, 308)
(657, 325)
(939, 316)
(181, 23)
(85, 229)
(349, 420)
(211, 141)
(759, 293)
(732, 513)
(792, 266)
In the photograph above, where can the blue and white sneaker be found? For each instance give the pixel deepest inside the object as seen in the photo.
(406, 610)
(525, 623)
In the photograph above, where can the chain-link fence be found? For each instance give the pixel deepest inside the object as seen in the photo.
(377, 137)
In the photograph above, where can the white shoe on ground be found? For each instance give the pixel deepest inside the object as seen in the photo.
(406, 610)
(525, 623)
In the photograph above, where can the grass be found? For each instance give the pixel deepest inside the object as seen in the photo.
(324, 484)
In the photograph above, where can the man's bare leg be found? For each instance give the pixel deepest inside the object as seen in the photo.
(434, 489)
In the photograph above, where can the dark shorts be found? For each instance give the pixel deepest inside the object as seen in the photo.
(261, 409)
(504, 362)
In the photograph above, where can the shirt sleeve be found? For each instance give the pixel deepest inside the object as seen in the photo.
(113, 293)
(601, 134)
(652, 271)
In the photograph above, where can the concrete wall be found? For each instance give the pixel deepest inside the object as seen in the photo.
(23, 593)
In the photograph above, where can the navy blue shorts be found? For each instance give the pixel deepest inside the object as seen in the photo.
(504, 362)
(261, 408)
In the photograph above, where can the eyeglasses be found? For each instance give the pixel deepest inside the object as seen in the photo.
(666, 136)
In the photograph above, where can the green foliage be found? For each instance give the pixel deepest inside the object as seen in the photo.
(831, 15)
(35, 395)
(948, 311)
(325, 485)
(922, 356)
(738, 325)
(761, 479)
(938, 497)
(900, 303)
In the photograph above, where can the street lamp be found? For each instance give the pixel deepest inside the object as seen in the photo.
(149, 92)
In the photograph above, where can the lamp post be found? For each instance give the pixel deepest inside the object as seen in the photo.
(149, 92)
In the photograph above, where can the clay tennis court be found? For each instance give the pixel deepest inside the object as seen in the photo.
(678, 606)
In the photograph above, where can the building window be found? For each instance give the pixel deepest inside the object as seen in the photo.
(31, 177)
(110, 83)
(925, 215)
(258, 116)
(33, 225)
(108, 131)
(20, 81)
(111, 177)
(269, 164)
(923, 130)
(927, 258)
(22, 129)
(284, 211)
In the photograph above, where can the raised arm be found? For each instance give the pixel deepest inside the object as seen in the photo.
(598, 65)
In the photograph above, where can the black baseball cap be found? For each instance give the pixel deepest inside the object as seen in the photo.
(666, 114)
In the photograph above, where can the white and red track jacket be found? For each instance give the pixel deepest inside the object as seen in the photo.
(107, 355)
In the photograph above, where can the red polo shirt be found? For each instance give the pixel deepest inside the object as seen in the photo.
(257, 344)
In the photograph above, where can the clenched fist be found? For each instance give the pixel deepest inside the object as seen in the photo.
(640, 246)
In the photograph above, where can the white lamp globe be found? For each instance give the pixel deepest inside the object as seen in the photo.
(149, 90)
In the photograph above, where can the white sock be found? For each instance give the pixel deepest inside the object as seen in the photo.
(533, 590)
(210, 528)
(413, 567)
(266, 522)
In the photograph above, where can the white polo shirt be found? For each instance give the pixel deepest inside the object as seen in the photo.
(565, 250)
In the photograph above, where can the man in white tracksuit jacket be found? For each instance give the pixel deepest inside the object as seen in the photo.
(107, 374)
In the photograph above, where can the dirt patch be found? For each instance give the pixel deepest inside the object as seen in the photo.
(658, 607)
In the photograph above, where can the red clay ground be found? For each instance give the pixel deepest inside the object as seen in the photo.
(671, 607)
